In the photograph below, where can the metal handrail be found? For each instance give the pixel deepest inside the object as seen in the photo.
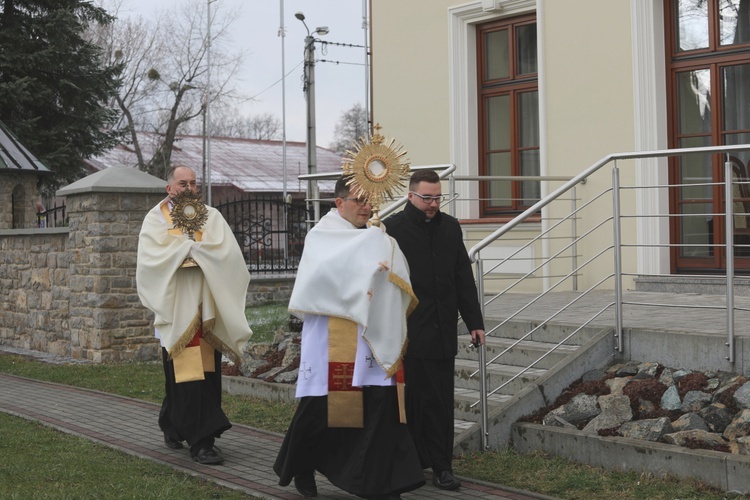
(570, 184)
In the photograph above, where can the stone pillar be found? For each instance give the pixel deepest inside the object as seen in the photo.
(106, 210)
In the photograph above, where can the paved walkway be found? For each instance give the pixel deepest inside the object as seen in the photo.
(130, 425)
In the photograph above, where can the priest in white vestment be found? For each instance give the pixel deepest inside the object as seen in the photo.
(352, 291)
(199, 313)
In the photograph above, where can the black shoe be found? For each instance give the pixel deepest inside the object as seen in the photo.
(172, 442)
(445, 480)
(305, 484)
(389, 496)
(208, 456)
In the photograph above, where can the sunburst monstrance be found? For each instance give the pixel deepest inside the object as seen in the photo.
(376, 168)
(188, 214)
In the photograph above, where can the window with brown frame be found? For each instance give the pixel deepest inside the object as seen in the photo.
(508, 110)
(708, 60)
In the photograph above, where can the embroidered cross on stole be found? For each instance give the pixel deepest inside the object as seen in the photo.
(345, 407)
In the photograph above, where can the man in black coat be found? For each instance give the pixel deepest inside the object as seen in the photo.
(441, 277)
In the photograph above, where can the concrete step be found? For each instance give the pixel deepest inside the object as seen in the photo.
(524, 353)
(497, 374)
(465, 398)
(461, 426)
(707, 285)
(552, 331)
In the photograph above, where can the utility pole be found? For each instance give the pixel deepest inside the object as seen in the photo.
(312, 157)
(312, 162)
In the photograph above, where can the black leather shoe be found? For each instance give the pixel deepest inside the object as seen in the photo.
(445, 480)
(305, 484)
(208, 456)
(172, 442)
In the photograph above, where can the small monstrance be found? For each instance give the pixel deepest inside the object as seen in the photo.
(188, 214)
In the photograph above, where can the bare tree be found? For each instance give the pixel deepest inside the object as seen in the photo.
(166, 72)
(135, 44)
(227, 123)
(351, 126)
(263, 127)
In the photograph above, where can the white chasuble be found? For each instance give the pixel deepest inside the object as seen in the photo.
(361, 276)
(211, 296)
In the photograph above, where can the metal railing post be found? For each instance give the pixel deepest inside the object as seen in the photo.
(574, 237)
(482, 361)
(729, 253)
(617, 229)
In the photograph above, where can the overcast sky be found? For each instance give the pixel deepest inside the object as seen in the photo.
(255, 30)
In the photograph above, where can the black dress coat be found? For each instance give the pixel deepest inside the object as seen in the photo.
(442, 279)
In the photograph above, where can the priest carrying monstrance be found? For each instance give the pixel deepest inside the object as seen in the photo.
(352, 290)
(192, 275)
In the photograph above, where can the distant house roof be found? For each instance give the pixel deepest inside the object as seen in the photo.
(247, 164)
(14, 156)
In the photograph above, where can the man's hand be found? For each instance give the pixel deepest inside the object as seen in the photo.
(477, 337)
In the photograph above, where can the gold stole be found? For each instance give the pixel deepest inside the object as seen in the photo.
(195, 360)
(345, 407)
(401, 392)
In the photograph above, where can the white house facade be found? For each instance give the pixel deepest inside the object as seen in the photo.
(549, 87)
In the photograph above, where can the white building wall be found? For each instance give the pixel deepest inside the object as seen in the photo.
(600, 93)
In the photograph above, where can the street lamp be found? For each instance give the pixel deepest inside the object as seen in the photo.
(312, 191)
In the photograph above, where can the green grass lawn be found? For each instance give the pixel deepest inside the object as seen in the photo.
(38, 462)
(265, 320)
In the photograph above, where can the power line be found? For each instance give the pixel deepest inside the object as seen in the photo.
(340, 62)
(292, 71)
(338, 44)
(276, 82)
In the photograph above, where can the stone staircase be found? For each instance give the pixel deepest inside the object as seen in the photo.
(679, 322)
(467, 413)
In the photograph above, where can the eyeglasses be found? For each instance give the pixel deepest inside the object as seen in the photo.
(361, 202)
(430, 199)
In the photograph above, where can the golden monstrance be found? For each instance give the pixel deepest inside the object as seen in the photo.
(376, 168)
(188, 214)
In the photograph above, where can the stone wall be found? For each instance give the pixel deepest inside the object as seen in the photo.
(34, 278)
(71, 291)
(265, 289)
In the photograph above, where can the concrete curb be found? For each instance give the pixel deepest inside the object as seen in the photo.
(245, 386)
(730, 473)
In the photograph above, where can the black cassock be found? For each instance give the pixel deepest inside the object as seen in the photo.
(191, 411)
(378, 459)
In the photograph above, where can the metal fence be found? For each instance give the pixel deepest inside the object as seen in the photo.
(270, 232)
(52, 217)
